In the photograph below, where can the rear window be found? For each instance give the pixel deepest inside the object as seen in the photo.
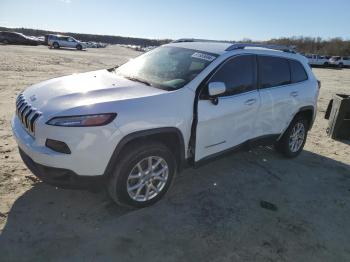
(297, 71)
(273, 71)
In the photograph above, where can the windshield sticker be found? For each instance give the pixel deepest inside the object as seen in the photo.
(203, 56)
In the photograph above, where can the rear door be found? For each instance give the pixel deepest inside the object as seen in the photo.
(280, 94)
(228, 123)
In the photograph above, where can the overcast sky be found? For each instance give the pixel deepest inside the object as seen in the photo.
(212, 19)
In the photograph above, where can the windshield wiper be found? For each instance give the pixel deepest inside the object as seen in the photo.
(138, 80)
(113, 68)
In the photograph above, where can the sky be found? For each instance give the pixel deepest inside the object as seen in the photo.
(173, 19)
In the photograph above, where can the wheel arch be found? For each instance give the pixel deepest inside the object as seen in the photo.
(309, 113)
(170, 136)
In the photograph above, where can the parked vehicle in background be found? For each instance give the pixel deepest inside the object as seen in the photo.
(58, 41)
(137, 125)
(91, 45)
(318, 60)
(14, 38)
(340, 61)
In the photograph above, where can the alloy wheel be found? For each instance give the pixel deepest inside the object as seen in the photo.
(297, 137)
(147, 178)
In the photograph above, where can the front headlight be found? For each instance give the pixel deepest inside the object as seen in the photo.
(81, 121)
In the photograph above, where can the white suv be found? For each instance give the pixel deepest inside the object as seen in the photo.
(339, 61)
(135, 126)
(317, 60)
(58, 41)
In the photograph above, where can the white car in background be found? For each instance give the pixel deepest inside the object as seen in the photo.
(340, 61)
(58, 41)
(318, 60)
(135, 126)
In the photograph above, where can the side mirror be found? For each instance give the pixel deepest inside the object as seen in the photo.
(216, 88)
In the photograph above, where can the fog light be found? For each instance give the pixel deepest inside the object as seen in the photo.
(57, 146)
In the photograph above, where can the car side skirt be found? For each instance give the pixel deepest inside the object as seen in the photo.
(259, 141)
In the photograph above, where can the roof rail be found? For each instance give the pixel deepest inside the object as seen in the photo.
(272, 47)
(182, 40)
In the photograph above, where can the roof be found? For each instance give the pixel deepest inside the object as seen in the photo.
(217, 47)
(210, 47)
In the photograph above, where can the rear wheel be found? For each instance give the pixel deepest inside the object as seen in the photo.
(5, 41)
(294, 138)
(340, 65)
(56, 45)
(142, 175)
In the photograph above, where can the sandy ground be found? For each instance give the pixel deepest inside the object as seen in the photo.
(211, 213)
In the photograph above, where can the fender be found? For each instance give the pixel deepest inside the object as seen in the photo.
(302, 109)
(142, 134)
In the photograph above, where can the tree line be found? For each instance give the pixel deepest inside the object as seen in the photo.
(307, 45)
(109, 39)
(311, 45)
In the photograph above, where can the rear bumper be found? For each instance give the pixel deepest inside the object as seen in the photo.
(59, 177)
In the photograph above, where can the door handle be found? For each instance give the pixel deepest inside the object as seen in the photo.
(250, 102)
(294, 94)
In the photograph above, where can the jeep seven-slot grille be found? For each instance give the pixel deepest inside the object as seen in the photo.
(26, 114)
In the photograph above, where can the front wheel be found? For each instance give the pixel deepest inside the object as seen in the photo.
(56, 45)
(142, 175)
(293, 140)
(79, 47)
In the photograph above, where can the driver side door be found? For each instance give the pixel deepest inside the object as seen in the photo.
(70, 42)
(230, 121)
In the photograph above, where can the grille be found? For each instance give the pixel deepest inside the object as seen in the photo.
(26, 114)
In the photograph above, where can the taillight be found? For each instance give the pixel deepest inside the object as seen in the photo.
(319, 84)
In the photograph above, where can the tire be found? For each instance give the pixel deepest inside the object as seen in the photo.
(56, 45)
(79, 47)
(340, 65)
(132, 169)
(326, 64)
(286, 146)
(5, 42)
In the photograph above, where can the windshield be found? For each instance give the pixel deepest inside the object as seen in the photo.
(166, 67)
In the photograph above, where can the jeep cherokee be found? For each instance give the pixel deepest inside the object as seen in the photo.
(135, 126)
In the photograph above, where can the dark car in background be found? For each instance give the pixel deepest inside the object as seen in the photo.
(15, 38)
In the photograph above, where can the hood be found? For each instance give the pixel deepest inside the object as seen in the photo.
(84, 89)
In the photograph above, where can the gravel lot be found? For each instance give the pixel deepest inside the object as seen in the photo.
(212, 213)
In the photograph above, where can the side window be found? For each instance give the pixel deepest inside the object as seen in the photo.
(238, 74)
(297, 71)
(273, 71)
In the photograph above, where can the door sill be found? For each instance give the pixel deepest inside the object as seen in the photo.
(259, 141)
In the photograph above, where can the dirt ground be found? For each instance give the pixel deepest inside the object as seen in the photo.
(212, 213)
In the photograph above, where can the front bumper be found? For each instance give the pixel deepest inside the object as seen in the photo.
(91, 148)
(59, 177)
